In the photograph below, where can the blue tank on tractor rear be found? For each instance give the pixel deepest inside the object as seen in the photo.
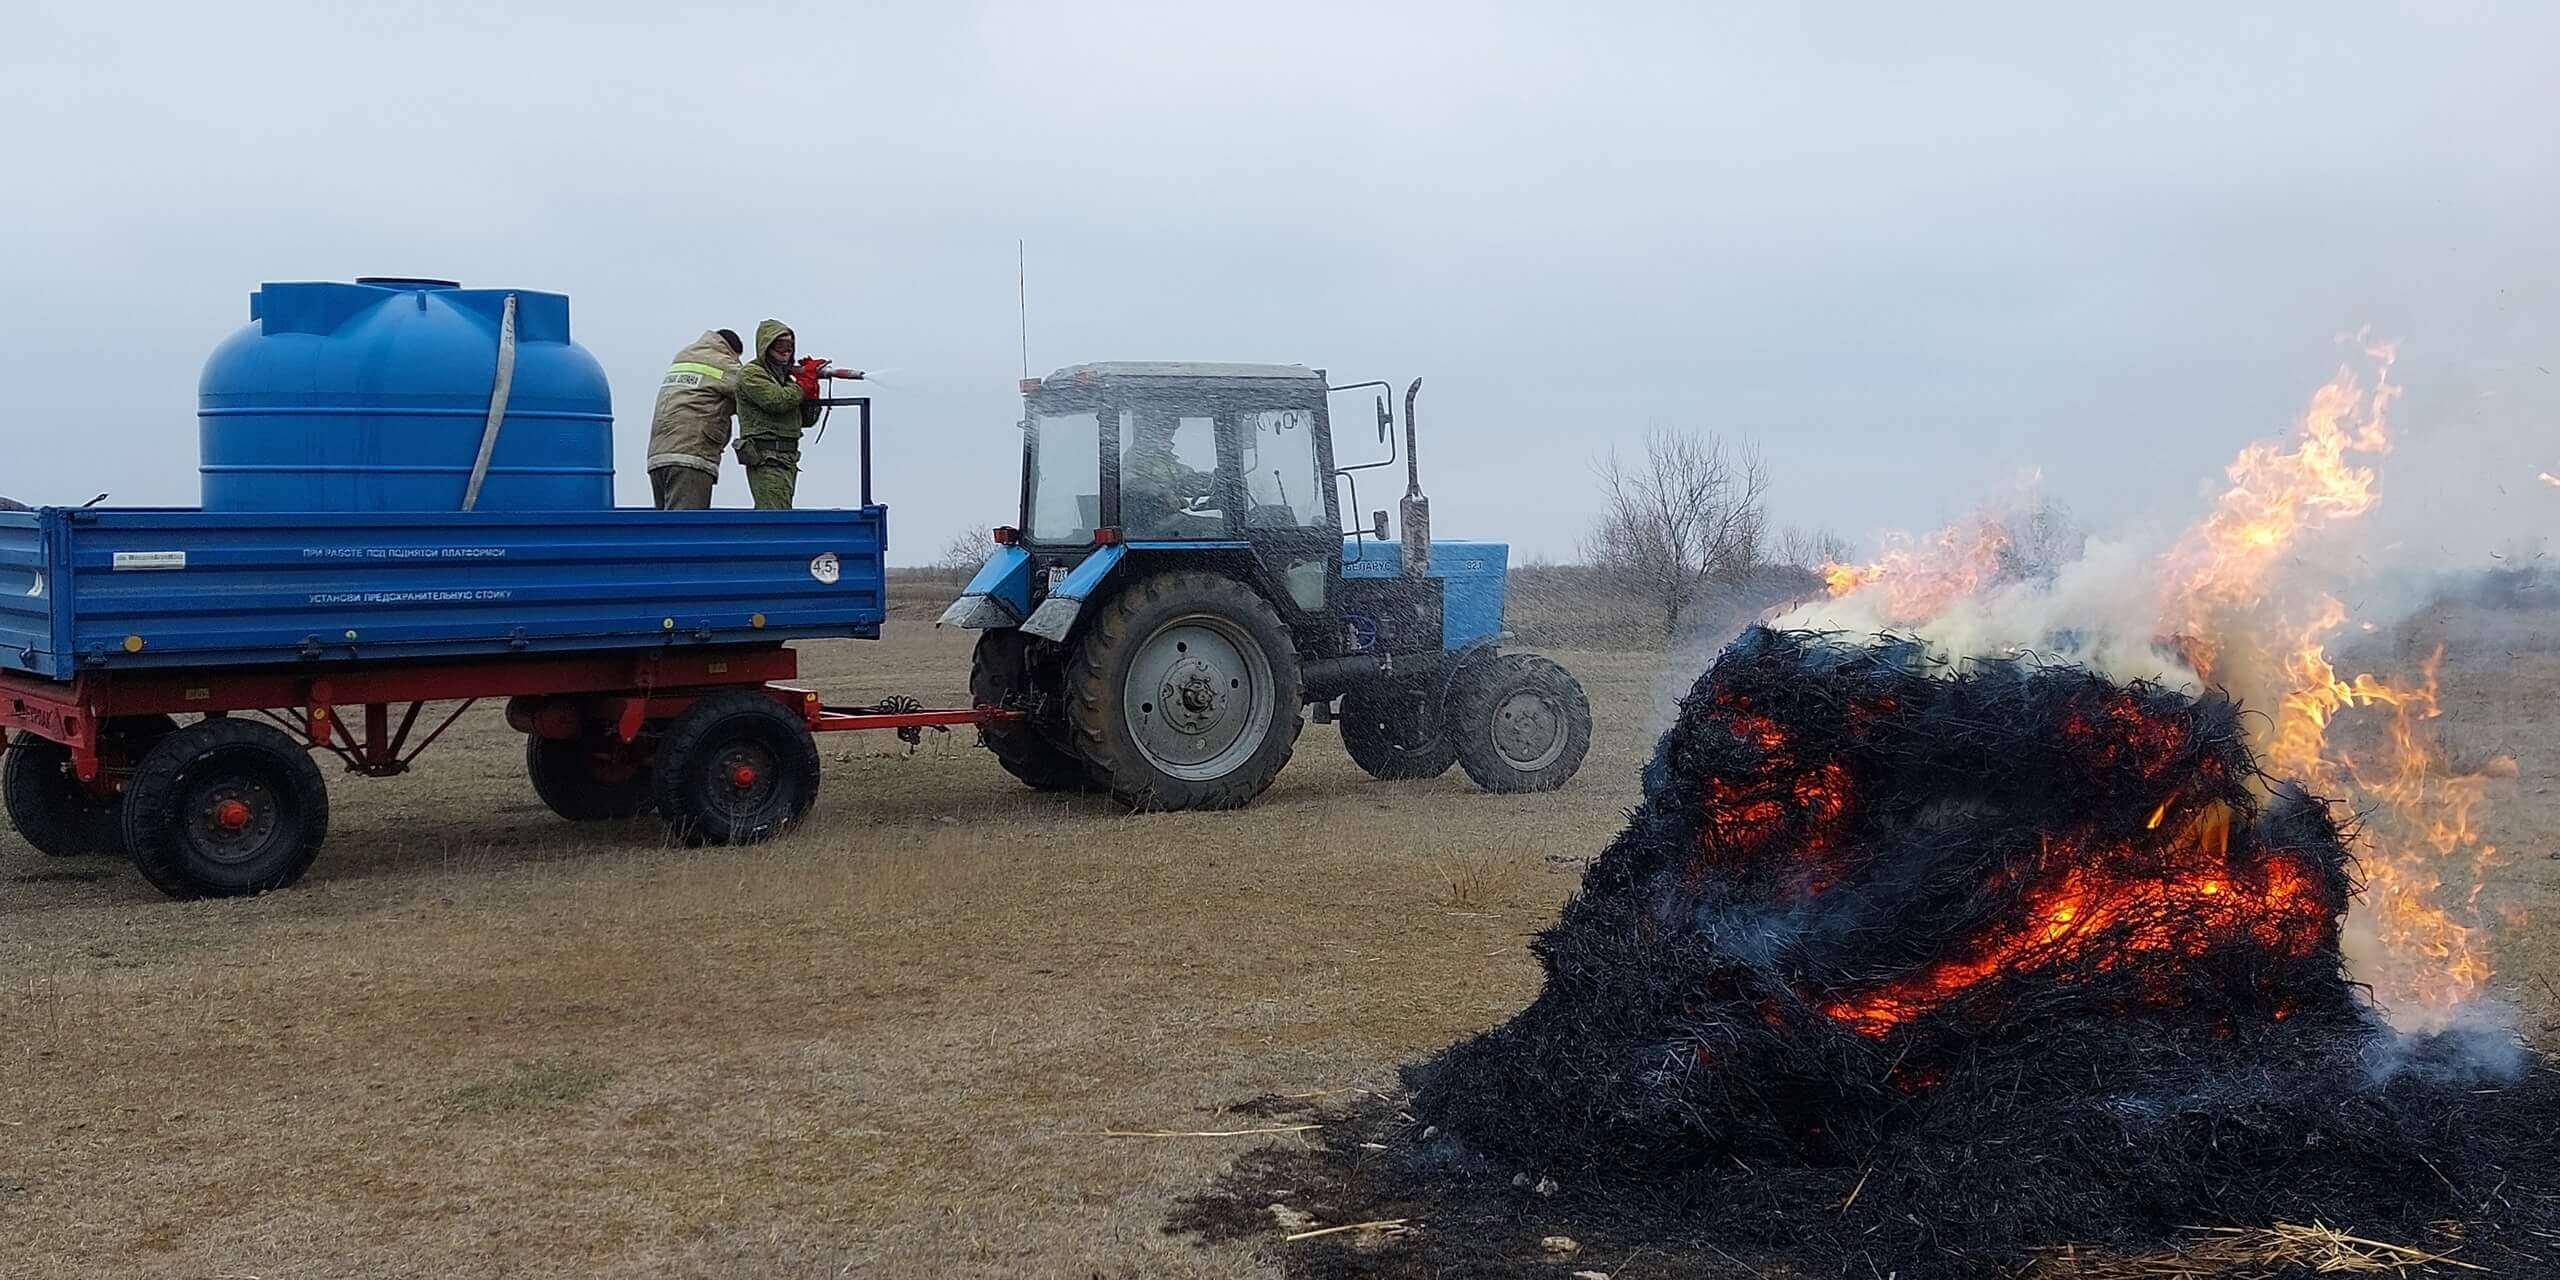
(373, 396)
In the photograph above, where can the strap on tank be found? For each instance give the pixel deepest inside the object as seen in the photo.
(497, 402)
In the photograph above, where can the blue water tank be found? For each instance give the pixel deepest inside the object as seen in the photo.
(373, 396)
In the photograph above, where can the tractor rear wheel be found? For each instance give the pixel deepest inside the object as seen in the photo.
(223, 809)
(1002, 674)
(1521, 723)
(1395, 733)
(736, 768)
(594, 777)
(55, 811)
(1183, 693)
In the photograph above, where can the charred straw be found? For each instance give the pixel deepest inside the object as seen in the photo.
(2035, 956)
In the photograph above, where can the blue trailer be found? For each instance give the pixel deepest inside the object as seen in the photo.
(408, 499)
(642, 653)
(122, 590)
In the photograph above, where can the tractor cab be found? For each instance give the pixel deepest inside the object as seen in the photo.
(1178, 591)
(1194, 459)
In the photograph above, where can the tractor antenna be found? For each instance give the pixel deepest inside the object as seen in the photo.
(1022, 302)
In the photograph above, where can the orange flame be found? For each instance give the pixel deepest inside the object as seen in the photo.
(2225, 591)
(1920, 577)
(2239, 617)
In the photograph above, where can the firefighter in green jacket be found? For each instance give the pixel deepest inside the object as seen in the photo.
(690, 428)
(775, 404)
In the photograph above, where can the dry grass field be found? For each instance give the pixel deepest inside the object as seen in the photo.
(480, 1042)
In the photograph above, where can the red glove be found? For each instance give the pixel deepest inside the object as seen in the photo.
(807, 377)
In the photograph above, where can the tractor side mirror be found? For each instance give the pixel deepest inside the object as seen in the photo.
(1386, 421)
(1378, 525)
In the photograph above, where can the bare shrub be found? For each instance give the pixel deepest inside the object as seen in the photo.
(1680, 522)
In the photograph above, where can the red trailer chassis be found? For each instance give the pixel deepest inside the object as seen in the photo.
(621, 702)
(639, 686)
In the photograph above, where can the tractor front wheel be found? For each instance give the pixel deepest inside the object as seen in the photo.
(1183, 693)
(736, 768)
(1002, 674)
(1394, 732)
(1521, 723)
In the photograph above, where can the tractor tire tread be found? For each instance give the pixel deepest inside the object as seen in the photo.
(1021, 749)
(1381, 753)
(1091, 700)
(1476, 700)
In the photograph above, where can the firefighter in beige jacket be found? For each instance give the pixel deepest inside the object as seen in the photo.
(690, 429)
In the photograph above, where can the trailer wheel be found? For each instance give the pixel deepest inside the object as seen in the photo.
(735, 768)
(55, 811)
(1000, 675)
(1393, 732)
(1521, 723)
(223, 809)
(1183, 693)
(594, 777)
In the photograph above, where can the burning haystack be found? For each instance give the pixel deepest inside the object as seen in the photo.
(2006, 956)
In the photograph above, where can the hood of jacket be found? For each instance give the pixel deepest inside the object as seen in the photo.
(766, 332)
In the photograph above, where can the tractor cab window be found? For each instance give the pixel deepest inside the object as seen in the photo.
(1283, 484)
(1065, 503)
(1168, 475)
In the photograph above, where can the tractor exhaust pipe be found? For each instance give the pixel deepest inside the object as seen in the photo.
(1415, 512)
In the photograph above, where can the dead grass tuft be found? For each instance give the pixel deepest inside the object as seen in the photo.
(532, 1086)
(2248, 1253)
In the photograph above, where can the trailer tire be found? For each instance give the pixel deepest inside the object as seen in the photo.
(735, 769)
(1000, 676)
(1243, 678)
(594, 777)
(1521, 723)
(49, 805)
(224, 809)
(1394, 733)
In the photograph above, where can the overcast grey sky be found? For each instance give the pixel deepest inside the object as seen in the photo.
(1910, 249)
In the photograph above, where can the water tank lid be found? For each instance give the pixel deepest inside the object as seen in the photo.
(408, 282)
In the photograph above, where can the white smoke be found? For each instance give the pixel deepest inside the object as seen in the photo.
(2093, 612)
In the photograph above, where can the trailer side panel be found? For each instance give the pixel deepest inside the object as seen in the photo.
(151, 588)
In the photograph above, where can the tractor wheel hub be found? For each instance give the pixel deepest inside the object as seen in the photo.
(1190, 696)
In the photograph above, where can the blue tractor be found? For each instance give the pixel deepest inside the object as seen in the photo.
(1181, 594)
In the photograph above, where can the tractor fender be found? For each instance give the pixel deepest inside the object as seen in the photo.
(998, 596)
(1055, 619)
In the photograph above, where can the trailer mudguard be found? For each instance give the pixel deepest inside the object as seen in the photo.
(1056, 616)
(998, 597)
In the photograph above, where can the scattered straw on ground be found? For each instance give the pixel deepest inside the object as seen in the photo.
(2239, 1253)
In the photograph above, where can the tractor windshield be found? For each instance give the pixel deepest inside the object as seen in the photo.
(1282, 476)
(1065, 502)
